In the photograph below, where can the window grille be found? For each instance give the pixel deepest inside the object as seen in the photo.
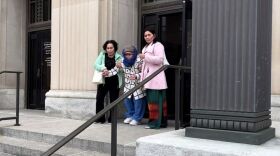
(39, 11)
(152, 1)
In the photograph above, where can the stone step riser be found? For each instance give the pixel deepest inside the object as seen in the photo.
(6, 154)
(16, 150)
(75, 143)
(22, 147)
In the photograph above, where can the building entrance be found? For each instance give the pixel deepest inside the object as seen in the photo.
(39, 67)
(174, 32)
(39, 52)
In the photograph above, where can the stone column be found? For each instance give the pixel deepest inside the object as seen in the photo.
(74, 38)
(275, 83)
(231, 68)
(12, 50)
(276, 48)
(79, 29)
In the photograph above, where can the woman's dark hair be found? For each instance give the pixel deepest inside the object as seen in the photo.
(153, 32)
(115, 44)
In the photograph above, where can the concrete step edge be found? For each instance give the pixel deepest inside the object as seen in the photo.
(24, 147)
(6, 154)
(83, 144)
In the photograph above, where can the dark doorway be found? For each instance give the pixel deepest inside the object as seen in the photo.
(186, 61)
(39, 67)
(174, 30)
(170, 33)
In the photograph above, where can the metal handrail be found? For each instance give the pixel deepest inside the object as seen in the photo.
(17, 97)
(112, 107)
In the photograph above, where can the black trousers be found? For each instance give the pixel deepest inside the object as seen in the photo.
(111, 85)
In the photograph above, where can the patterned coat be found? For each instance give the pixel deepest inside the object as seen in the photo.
(129, 84)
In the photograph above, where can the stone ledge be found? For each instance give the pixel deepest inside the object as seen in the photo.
(71, 94)
(275, 100)
(176, 144)
(71, 104)
(253, 138)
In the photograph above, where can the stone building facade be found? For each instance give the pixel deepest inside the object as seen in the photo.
(78, 29)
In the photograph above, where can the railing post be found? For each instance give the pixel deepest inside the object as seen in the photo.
(177, 98)
(17, 99)
(114, 131)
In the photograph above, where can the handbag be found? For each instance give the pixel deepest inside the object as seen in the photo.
(97, 77)
(165, 61)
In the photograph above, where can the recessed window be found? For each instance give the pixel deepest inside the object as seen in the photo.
(152, 1)
(39, 11)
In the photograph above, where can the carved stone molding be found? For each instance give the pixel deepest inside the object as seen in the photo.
(156, 7)
(230, 124)
(234, 121)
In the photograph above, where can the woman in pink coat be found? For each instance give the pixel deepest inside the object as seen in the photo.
(153, 58)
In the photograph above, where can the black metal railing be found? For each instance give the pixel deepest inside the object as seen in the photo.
(112, 107)
(17, 97)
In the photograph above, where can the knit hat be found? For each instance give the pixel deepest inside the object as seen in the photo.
(132, 49)
(129, 49)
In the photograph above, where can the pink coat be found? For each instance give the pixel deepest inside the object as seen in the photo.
(154, 56)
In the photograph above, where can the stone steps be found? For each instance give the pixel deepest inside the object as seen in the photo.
(5, 154)
(10, 134)
(38, 127)
(23, 147)
(176, 144)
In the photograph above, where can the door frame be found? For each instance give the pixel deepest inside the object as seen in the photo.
(154, 19)
(158, 14)
(170, 10)
(32, 27)
(159, 8)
